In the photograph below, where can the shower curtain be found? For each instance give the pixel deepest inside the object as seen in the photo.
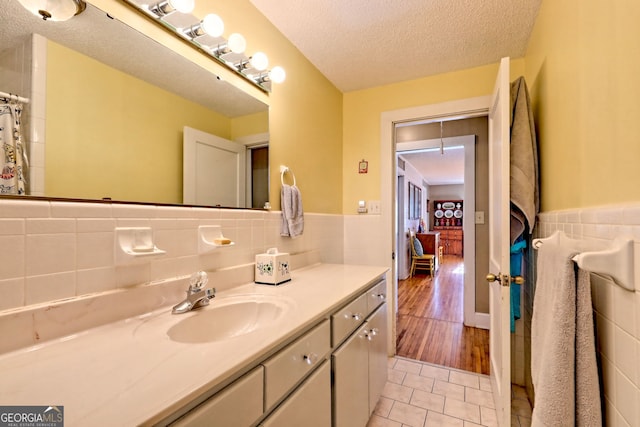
(13, 160)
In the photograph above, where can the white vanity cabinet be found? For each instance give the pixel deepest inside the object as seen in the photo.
(360, 363)
(330, 375)
(278, 380)
(240, 404)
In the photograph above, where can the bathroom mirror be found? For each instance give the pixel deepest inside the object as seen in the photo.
(116, 105)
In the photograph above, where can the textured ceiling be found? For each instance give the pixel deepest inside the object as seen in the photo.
(360, 44)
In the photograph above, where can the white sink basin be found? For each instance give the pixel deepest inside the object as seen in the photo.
(228, 317)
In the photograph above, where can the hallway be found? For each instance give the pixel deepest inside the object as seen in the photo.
(430, 316)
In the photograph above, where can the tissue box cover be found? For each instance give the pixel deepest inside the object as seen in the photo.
(272, 267)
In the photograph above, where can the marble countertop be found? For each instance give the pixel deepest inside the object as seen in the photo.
(130, 372)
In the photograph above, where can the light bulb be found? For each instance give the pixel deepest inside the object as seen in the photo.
(259, 61)
(277, 74)
(212, 24)
(182, 6)
(237, 43)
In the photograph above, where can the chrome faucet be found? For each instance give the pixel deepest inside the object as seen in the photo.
(197, 295)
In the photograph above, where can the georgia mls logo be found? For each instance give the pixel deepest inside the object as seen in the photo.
(31, 416)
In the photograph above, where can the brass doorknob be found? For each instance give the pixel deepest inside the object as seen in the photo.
(518, 280)
(492, 278)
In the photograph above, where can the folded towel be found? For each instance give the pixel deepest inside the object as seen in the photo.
(292, 214)
(525, 196)
(563, 356)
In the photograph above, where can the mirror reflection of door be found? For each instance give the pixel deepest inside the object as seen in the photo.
(219, 172)
(259, 170)
(213, 170)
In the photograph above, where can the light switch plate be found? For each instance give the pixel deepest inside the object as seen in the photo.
(374, 207)
(480, 217)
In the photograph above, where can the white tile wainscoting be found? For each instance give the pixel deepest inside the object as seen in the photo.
(54, 250)
(616, 310)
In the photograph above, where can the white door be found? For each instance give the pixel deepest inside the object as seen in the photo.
(499, 200)
(213, 170)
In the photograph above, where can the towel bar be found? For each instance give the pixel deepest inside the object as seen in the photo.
(615, 261)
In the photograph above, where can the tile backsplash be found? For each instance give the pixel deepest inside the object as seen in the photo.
(616, 310)
(55, 250)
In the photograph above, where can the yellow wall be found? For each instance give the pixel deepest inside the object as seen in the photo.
(112, 135)
(305, 117)
(362, 111)
(582, 68)
(251, 124)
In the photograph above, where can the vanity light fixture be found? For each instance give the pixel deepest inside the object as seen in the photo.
(228, 52)
(211, 24)
(235, 44)
(276, 75)
(259, 61)
(165, 7)
(54, 10)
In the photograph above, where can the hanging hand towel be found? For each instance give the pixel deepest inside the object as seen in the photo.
(525, 196)
(292, 214)
(563, 357)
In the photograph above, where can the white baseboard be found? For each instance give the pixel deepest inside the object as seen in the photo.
(480, 320)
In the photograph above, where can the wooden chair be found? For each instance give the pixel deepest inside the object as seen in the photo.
(425, 262)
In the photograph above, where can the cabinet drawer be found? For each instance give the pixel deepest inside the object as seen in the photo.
(348, 319)
(376, 296)
(240, 404)
(293, 363)
(309, 405)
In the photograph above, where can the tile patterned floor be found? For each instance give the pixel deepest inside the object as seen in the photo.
(419, 394)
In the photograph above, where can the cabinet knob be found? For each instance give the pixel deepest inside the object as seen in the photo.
(354, 316)
(381, 296)
(370, 333)
(310, 358)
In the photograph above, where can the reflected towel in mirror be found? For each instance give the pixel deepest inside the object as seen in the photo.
(292, 214)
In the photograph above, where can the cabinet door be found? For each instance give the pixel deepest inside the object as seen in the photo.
(239, 405)
(351, 381)
(309, 405)
(377, 327)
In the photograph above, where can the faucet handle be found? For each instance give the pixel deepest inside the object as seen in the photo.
(198, 280)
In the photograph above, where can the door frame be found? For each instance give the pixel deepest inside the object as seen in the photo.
(468, 143)
(401, 255)
(458, 109)
(257, 140)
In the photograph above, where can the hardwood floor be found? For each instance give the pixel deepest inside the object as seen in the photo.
(430, 315)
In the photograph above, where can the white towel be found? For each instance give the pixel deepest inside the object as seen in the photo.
(563, 356)
(292, 214)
